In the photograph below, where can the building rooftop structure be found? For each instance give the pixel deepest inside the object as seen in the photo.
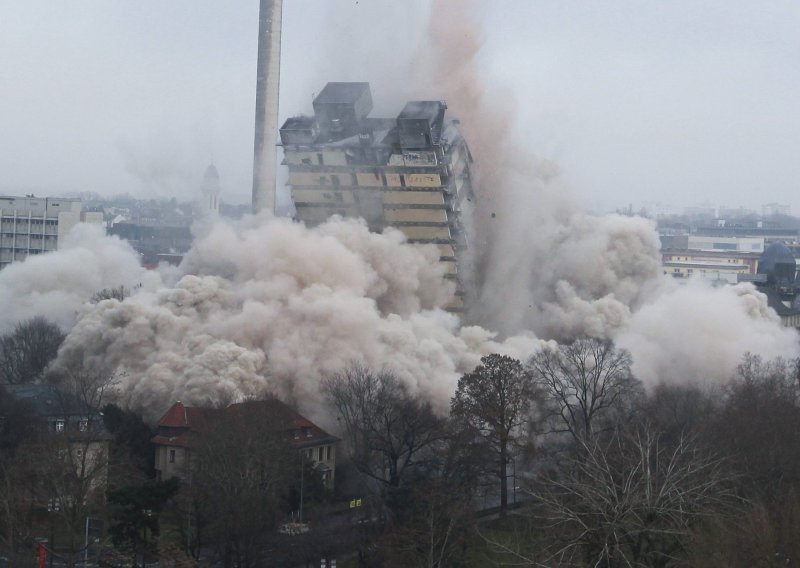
(211, 173)
(181, 431)
(60, 411)
(717, 266)
(184, 425)
(779, 264)
(769, 233)
(347, 93)
(778, 269)
(210, 189)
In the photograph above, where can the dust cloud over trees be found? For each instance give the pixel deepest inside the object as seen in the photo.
(563, 459)
(26, 351)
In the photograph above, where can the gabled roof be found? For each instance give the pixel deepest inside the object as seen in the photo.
(183, 425)
(175, 417)
(302, 432)
(48, 401)
(49, 404)
(180, 416)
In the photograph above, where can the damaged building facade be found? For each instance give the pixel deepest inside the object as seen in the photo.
(411, 172)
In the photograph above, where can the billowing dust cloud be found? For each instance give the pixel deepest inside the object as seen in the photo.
(56, 285)
(270, 306)
(544, 265)
(695, 333)
(563, 273)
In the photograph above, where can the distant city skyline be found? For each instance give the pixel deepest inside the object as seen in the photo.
(682, 102)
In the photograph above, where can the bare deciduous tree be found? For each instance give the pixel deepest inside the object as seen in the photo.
(627, 500)
(779, 375)
(28, 349)
(241, 468)
(16, 523)
(673, 410)
(582, 381)
(56, 471)
(440, 511)
(389, 432)
(758, 426)
(72, 457)
(119, 293)
(494, 402)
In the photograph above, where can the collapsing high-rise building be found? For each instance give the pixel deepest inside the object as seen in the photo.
(411, 172)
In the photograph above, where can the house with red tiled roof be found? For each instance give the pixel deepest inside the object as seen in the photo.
(181, 429)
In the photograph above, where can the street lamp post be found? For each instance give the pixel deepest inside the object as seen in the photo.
(514, 468)
(86, 545)
(302, 479)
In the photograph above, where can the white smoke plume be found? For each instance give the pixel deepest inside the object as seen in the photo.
(55, 285)
(546, 266)
(696, 333)
(563, 273)
(269, 306)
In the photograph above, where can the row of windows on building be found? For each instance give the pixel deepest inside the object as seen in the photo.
(409, 159)
(678, 271)
(371, 179)
(49, 235)
(22, 246)
(380, 180)
(687, 259)
(25, 220)
(60, 425)
(322, 453)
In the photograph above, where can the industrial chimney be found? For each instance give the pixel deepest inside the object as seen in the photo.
(267, 88)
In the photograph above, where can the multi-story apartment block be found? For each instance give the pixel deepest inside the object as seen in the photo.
(34, 225)
(716, 265)
(72, 432)
(770, 209)
(722, 243)
(411, 172)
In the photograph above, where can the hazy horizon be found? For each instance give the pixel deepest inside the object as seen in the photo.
(679, 103)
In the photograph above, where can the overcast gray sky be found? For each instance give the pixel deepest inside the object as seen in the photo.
(680, 101)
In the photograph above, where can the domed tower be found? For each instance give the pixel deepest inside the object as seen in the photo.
(210, 203)
(778, 263)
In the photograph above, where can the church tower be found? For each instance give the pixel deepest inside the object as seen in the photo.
(210, 203)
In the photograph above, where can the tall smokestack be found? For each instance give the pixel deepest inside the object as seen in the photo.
(267, 88)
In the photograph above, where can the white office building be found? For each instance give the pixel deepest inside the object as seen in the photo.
(717, 243)
(33, 225)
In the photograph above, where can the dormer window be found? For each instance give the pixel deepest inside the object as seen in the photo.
(59, 425)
